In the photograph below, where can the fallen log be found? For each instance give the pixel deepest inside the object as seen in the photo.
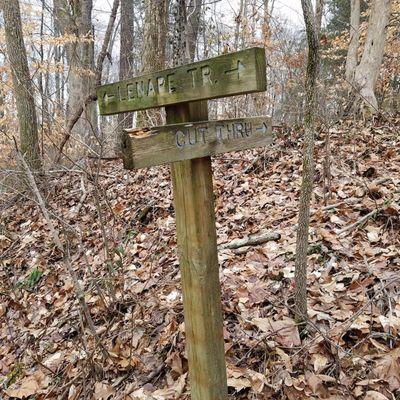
(251, 240)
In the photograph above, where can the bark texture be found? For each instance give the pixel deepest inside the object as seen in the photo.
(308, 163)
(23, 89)
(266, 23)
(238, 23)
(126, 54)
(193, 24)
(352, 52)
(367, 71)
(154, 46)
(179, 44)
(319, 11)
(155, 35)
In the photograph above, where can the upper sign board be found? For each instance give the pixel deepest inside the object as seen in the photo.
(226, 75)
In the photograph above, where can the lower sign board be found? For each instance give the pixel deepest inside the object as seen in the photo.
(170, 143)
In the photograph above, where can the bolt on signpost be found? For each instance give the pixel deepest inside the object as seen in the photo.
(187, 143)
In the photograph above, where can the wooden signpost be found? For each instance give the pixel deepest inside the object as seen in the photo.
(187, 143)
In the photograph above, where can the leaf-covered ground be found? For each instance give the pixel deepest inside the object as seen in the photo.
(120, 241)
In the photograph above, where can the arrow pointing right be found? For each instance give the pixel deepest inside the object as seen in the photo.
(236, 71)
(263, 128)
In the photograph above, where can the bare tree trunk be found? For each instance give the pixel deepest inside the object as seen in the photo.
(367, 72)
(180, 50)
(266, 23)
(193, 22)
(23, 90)
(352, 52)
(155, 35)
(125, 59)
(308, 163)
(74, 118)
(126, 39)
(238, 21)
(107, 68)
(319, 11)
(59, 75)
(245, 23)
(154, 45)
(43, 83)
(76, 19)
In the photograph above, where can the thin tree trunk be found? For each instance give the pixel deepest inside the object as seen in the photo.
(126, 39)
(308, 164)
(155, 35)
(23, 89)
(76, 19)
(107, 68)
(367, 72)
(154, 46)
(125, 59)
(245, 24)
(193, 22)
(238, 21)
(266, 22)
(352, 52)
(43, 82)
(180, 51)
(319, 11)
(74, 118)
(59, 75)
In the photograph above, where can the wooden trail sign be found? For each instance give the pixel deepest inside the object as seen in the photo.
(226, 75)
(170, 143)
(235, 73)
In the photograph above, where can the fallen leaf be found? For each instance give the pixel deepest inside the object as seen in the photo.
(319, 361)
(284, 331)
(373, 395)
(239, 383)
(103, 391)
(28, 386)
(54, 361)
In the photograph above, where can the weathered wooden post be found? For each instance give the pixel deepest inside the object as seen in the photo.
(187, 143)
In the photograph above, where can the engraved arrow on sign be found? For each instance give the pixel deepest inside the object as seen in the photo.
(107, 98)
(263, 128)
(240, 68)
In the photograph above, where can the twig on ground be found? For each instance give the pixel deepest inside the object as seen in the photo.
(251, 240)
(84, 195)
(359, 222)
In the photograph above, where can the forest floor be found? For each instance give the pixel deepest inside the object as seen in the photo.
(119, 243)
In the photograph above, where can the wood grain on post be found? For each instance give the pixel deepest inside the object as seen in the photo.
(197, 244)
